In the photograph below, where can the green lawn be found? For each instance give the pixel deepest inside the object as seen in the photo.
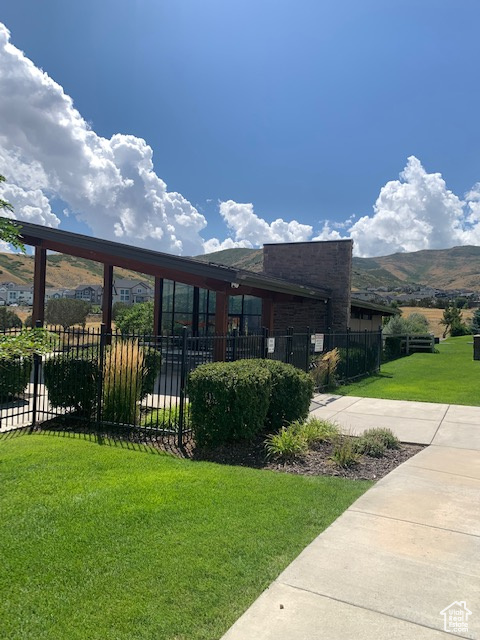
(450, 376)
(105, 542)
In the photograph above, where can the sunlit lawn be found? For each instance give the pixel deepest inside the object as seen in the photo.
(104, 542)
(450, 376)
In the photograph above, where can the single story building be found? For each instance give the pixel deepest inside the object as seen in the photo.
(305, 285)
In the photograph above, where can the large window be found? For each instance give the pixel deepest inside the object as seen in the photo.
(194, 308)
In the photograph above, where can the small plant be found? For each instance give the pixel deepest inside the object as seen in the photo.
(371, 446)
(385, 435)
(345, 452)
(315, 430)
(287, 444)
(167, 418)
(324, 371)
(375, 442)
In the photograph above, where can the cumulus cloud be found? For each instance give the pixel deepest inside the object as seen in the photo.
(214, 244)
(48, 150)
(412, 213)
(248, 227)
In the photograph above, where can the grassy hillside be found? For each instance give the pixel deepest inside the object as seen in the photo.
(62, 271)
(457, 268)
(251, 259)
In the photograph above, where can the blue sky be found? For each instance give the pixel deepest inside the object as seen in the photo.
(304, 109)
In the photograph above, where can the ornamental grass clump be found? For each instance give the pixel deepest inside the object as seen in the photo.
(375, 442)
(315, 430)
(286, 445)
(345, 453)
(122, 382)
(324, 372)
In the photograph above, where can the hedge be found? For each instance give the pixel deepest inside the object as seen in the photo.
(229, 401)
(14, 377)
(291, 395)
(232, 401)
(72, 382)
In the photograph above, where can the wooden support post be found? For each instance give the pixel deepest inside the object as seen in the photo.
(39, 275)
(221, 326)
(267, 314)
(158, 306)
(107, 297)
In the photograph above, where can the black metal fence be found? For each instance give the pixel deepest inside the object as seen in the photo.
(139, 383)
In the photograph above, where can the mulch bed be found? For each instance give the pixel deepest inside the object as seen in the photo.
(316, 462)
(252, 454)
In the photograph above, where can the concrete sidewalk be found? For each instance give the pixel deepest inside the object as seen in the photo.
(402, 553)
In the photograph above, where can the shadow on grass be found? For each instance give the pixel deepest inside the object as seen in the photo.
(128, 438)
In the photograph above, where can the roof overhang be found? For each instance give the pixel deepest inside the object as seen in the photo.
(381, 309)
(164, 265)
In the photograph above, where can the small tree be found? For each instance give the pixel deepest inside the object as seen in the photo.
(9, 320)
(136, 319)
(476, 322)
(9, 231)
(452, 320)
(67, 312)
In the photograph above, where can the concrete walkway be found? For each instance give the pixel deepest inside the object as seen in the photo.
(402, 553)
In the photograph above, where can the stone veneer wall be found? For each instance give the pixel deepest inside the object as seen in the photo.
(326, 265)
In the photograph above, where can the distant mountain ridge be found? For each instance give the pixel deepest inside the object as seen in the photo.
(65, 272)
(456, 268)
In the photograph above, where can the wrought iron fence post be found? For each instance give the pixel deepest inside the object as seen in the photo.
(37, 359)
(347, 353)
(365, 355)
(289, 349)
(265, 343)
(101, 360)
(307, 350)
(183, 384)
(234, 344)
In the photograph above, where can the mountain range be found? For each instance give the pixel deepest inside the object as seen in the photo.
(456, 268)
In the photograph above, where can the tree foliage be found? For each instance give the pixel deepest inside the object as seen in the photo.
(398, 325)
(476, 322)
(452, 320)
(66, 312)
(9, 230)
(9, 320)
(136, 319)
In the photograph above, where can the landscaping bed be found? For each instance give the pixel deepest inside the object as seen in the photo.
(316, 462)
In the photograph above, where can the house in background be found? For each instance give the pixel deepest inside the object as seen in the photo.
(92, 293)
(20, 294)
(131, 291)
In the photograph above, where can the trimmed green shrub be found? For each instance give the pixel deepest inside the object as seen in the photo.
(393, 348)
(152, 361)
(287, 444)
(72, 382)
(229, 401)
(291, 394)
(14, 377)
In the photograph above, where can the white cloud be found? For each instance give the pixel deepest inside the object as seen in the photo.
(47, 148)
(248, 227)
(413, 213)
(214, 244)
